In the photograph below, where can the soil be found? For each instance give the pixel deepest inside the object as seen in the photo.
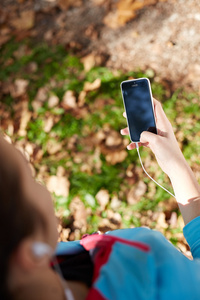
(163, 37)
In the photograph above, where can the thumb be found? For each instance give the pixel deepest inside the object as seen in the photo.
(147, 137)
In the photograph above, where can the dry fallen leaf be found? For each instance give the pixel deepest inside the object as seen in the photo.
(53, 146)
(69, 100)
(81, 98)
(25, 118)
(136, 192)
(114, 217)
(88, 86)
(19, 88)
(58, 185)
(161, 221)
(4, 39)
(53, 101)
(116, 157)
(42, 94)
(40, 98)
(102, 198)
(88, 62)
(79, 213)
(48, 123)
(115, 202)
(25, 21)
(126, 10)
(106, 225)
(173, 220)
(99, 2)
(100, 136)
(113, 139)
(66, 4)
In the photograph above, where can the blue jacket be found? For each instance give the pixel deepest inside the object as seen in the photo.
(141, 264)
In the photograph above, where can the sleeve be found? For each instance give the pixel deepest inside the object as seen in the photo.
(192, 234)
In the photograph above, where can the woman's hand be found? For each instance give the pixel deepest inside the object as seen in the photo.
(164, 144)
(170, 158)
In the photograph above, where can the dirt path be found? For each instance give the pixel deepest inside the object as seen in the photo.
(164, 37)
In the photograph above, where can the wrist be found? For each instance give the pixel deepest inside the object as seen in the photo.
(183, 180)
(178, 167)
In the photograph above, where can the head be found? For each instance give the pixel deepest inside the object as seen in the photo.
(27, 222)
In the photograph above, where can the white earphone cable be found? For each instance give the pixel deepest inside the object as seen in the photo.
(137, 147)
(67, 291)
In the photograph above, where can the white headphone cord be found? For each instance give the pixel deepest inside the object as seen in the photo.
(67, 291)
(137, 147)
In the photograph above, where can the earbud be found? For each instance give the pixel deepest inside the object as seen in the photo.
(40, 249)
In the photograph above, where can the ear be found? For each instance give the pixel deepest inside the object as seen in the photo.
(25, 257)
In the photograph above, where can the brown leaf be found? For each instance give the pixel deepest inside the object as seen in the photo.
(58, 185)
(116, 157)
(53, 146)
(101, 102)
(115, 202)
(100, 136)
(91, 32)
(114, 217)
(106, 225)
(25, 118)
(88, 86)
(126, 11)
(111, 20)
(99, 2)
(69, 100)
(94, 59)
(40, 98)
(136, 192)
(25, 21)
(81, 98)
(42, 94)
(113, 139)
(88, 62)
(53, 101)
(48, 36)
(19, 88)
(48, 123)
(103, 198)
(66, 4)
(161, 221)
(32, 67)
(173, 220)
(78, 211)
(4, 39)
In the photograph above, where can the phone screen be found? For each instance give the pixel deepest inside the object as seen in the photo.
(138, 105)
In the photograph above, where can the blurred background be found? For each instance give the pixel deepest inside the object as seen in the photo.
(61, 65)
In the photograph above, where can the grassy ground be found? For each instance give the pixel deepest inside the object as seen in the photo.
(77, 141)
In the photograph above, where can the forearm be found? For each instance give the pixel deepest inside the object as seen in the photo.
(173, 163)
(187, 190)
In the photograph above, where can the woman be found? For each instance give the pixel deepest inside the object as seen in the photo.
(125, 264)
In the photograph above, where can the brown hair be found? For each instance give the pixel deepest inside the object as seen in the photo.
(18, 217)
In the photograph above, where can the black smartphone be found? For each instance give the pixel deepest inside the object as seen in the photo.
(138, 103)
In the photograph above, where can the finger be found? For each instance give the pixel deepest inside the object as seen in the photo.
(124, 131)
(131, 146)
(124, 114)
(148, 138)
